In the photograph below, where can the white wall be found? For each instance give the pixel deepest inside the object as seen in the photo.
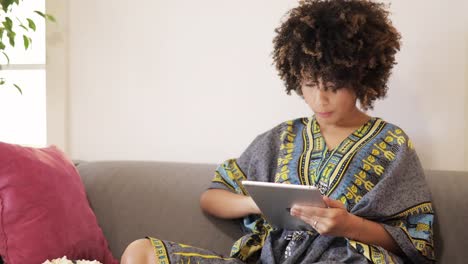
(427, 95)
(57, 74)
(193, 80)
(466, 93)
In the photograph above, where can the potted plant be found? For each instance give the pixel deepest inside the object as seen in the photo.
(13, 28)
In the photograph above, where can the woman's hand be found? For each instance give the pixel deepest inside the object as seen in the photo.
(334, 220)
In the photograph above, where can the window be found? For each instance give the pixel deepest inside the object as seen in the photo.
(23, 117)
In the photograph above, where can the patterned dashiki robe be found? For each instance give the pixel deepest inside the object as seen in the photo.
(374, 172)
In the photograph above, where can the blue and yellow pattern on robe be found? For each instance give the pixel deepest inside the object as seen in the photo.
(249, 246)
(359, 172)
(167, 252)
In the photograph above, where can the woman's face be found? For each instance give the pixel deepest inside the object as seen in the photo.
(330, 107)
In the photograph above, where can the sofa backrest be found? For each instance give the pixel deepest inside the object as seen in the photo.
(449, 191)
(134, 199)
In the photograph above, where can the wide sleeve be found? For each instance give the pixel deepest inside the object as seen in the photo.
(256, 163)
(401, 202)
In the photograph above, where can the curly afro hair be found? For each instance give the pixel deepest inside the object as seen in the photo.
(350, 43)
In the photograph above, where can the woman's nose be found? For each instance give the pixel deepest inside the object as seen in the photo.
(321, 97)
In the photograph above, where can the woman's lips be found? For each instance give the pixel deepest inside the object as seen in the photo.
(324, 114)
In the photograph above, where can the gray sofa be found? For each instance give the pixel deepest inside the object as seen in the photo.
(135, 199)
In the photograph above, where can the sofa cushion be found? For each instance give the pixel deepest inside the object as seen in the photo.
(44, 212)
(134, 199)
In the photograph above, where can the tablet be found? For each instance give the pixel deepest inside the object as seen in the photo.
(276, 199)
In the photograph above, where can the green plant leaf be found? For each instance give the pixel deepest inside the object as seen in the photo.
(31, 24)
(50, 18)
(19, 89)
(5, 25)
(6, 56)
(40, 13)
(21, 24)
(2, 46)
(6, 4)
(8, 24)
(2, 81)
(11, 36)
(26, 42)
(46, 16)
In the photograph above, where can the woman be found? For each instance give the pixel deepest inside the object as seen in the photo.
(334, 54)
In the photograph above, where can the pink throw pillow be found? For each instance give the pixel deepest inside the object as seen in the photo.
(44, 212)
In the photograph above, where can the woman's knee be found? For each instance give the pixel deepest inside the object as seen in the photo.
(139, 251)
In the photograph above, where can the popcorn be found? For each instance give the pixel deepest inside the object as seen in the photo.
(64, 260)
(88, 262)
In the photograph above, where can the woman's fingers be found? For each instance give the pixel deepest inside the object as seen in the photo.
(308, 215)
(333, 203)
(309, 211)
(328, 220)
